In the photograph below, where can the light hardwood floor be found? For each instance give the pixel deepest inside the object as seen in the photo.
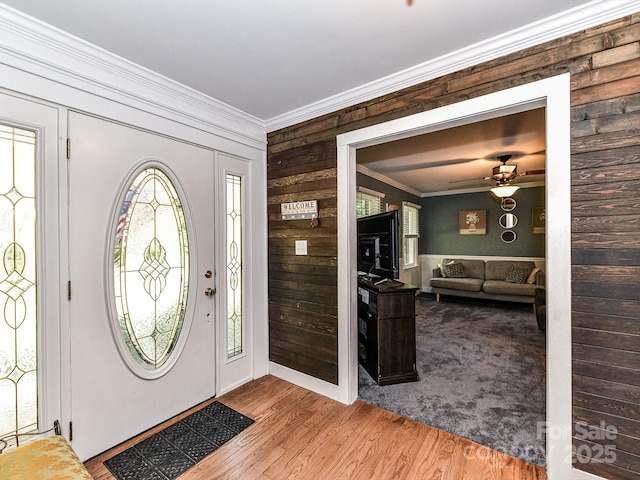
(298, 434)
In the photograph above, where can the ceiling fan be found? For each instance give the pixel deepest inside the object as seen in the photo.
(503, 175)
(506, 173)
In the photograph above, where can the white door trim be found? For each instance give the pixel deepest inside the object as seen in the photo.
(43, 118)
(231, 373)
(554, 94)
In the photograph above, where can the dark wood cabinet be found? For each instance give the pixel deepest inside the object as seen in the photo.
(387, 331)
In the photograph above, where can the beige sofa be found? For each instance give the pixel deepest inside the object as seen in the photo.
(505, 280)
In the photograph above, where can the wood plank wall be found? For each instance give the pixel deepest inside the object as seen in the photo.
(604, 63)
(303, 291)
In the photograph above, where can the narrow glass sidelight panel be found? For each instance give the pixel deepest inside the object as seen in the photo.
(151, 268)
(234, 265)
(18, 305)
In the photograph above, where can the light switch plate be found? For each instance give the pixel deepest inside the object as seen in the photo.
(301, 247)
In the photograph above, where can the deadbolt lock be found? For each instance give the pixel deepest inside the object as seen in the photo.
(208, 274)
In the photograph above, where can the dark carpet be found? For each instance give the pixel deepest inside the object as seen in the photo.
(172, 451)
(482, 375)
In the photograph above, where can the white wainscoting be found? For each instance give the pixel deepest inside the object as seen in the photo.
(413, 275)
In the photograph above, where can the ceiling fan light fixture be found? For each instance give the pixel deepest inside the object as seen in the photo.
(504, 191)
(503, 172)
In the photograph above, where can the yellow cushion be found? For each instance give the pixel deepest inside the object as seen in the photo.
(49, 458)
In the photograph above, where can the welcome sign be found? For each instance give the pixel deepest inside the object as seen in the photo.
(299, 210)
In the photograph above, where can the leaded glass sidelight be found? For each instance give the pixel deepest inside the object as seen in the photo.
(234, 265)
(18, 308)
(151, 268)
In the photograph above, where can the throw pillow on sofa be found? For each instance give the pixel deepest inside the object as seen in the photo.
(518, 275)
(454, 270)
(533, 275)
(441, 267)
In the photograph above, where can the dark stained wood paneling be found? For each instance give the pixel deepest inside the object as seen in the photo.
(309, 352)
(605, 229)
(607, 354)
(285, 266)
(328, 291)
(607, 124)
(616, 408)
(610, 455)
(303, 289)
(305, 307)
(606, 257)
(601, 207)
(607, 388)
(314, 322)
(604, 141)
(284, 290)
(612, 174)
(608, 223)
(600, 159)
(620, 274)
(615, 106)
(607, 468)
(613, 290)
(604, 63)
(612, 321)
(623, 425)
(627, 376)
(599, 338)
(303, 260)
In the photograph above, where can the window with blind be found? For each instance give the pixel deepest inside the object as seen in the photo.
(368, 202)
(410, 233)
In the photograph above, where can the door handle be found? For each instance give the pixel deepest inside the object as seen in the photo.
(209, 292)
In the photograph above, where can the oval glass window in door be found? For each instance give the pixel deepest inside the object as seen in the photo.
(150, 269)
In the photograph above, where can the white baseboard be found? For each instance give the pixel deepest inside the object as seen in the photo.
(235, 385)
(306, 381)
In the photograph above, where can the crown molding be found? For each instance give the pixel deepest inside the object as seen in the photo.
(401, 186)
(487, 189)
(565, 23)
(384, 179)
(29, 45)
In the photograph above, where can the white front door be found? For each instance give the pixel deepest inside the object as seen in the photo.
(120, 384)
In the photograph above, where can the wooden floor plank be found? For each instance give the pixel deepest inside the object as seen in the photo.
(324, 446)
(298, 434)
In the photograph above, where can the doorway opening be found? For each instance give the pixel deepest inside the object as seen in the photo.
(553, 95)
(479, 363)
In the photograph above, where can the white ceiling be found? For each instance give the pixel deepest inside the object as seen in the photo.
(274, 59)
(268, 58)
(459, 159)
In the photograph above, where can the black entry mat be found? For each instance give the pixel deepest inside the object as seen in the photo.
(172, 451)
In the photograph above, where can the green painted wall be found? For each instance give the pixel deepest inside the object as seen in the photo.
(439, 230)
(393, 195)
